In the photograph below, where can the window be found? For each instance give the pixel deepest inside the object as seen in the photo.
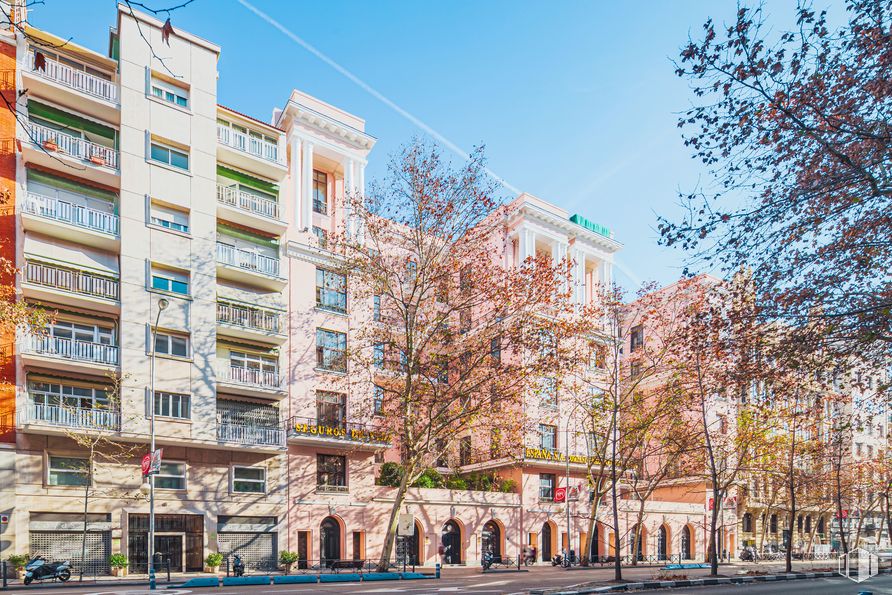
(176, 345)
(171, 476)
(723, 424)
(331, 409)
(249, 480)
(411, 270)
(47, 394)
(773, 524)
(172, 405)
(747, 523)
(378, 355)
(495, 350)
(321, 236)
(634, 369)
(169, 156)
(376, 308)
(378, 400)
(80, 333)
(331, 290)
(330, 348)
(636, 339)
(331, 471)
(547, 437)
(546, 486)
(320, 192)
(464, 450)
(548, 389)
(169, 280)
(168, 217)
(170, 93)
(464, 321)
(68, 471)
(599, 358)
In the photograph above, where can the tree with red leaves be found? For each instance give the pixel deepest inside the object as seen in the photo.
(795, 129)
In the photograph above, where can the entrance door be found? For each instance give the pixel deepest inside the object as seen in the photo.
(303, 549)
(413, 547)
(546, 543)
(492, 539)
(171, 548)
(686, 543)
(329, 541)
(452, 543)
(595, 545)
(662, 544)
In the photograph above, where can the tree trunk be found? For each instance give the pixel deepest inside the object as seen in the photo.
(592, 520)
(639, 521)
(788, 557)
(86, 503)
(887, 498)
(390, 537)
(843, 542)
(712, 548)
(617, 551)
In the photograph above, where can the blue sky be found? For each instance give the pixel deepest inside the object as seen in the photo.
(576, 102)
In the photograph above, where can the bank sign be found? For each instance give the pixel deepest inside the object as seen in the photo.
(543, 454)
(352, 434)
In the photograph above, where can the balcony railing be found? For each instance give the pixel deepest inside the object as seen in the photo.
(249, 318)
(338, 430)
(77, 79)
(84, 351)
(73, 145)
(247, 143)
(72, 417)
(245, 201)
(251, 377)
(250, 435)
(251, 261)
(73, 214)
(71, 280)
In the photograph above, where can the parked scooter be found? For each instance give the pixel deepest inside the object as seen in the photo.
(238, 567)
(38, 569)
(487, 560)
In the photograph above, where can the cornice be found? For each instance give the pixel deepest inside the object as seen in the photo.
(319, 121)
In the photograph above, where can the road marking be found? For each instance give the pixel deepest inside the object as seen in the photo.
(492, 584)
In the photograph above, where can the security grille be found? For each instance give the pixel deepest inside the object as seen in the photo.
(252, 414)
(258, 550)
(59, 546)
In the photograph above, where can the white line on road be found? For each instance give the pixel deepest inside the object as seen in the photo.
(492, 584)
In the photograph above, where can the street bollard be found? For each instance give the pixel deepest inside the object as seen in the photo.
(168, 570)
(4, 573)
(437, 571)
(227, 565)
(518, 562)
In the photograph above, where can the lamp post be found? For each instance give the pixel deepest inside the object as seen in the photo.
(162, 305)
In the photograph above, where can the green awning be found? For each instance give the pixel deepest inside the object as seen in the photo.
(70, 185)
(251, 181)
(71, 120)
(241, 234)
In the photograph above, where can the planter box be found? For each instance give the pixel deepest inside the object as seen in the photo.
(97, 160)
(212, 569)
(50, 145)
(119, 571)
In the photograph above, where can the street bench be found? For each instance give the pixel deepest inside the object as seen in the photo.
(338, 565)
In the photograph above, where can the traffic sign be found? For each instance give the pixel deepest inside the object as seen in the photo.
(405, 525)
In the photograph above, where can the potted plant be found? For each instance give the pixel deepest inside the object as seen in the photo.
(97, 159)
(18, 561)
(50, 145)
(119, 564)
(286, 559)
(212, 562)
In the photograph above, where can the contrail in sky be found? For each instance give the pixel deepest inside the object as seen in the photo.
(372, 91)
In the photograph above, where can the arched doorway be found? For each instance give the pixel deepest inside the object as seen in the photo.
(492, 539)
(547, 537)
(451, 539)
(636, 543)
(663, 543)
(413, 546)
(686, 543)
(595, 544)
(329, 541)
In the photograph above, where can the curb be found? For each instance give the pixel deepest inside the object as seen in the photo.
(696, 582)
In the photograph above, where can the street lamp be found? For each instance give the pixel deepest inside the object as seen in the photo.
(162, 305)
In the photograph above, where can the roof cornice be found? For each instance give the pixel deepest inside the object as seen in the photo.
(328, 125)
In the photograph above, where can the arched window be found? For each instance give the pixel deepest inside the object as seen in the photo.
(686, 543)
(773, 524)
(663, 543)
(808, 524)
(747, 523)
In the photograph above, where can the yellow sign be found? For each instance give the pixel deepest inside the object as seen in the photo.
(543, 454)
(353, 434)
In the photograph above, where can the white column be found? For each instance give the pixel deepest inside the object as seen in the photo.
(307, 198)
(349, 192)
(578, 276)
(297, 217)
(526, 244)
(559, 253)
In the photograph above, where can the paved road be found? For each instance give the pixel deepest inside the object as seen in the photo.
(470, 581)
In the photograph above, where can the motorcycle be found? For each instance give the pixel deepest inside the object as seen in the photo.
(487, 560)
(529, 557)
(238, 567)
(38, 569)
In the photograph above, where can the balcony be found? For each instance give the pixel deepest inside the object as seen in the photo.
(65, 353)
(250, 381)
(78, 80)
(50, 283)
(249, 144)
(249, 210)
(347, 435)
(246, 266)
(250, 323)
(70, 221)
(77, 418)
(73, 146)
(251, 435)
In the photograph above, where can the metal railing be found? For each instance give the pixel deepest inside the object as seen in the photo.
(244, 259)
(73, 417)
(251, 377)
(233, 196)
(71, 280)
(74, 146)
(68, 212)
(250, 435)
(247, 143)
(76, 79)
(249, 318)
(85, 351)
